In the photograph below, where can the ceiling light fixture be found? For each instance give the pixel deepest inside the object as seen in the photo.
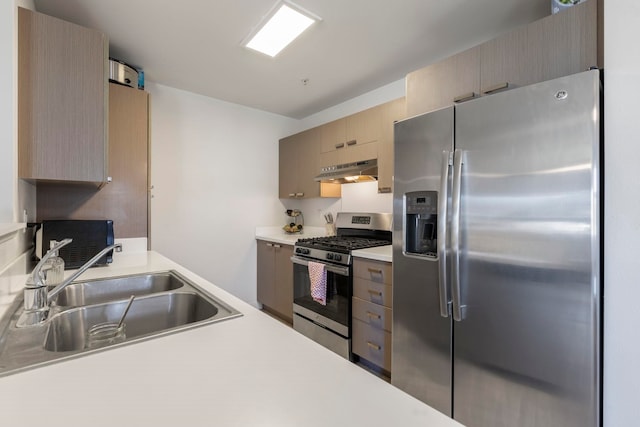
(280, 27)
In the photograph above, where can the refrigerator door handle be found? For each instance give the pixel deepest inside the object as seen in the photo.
(458, 308)
(443, 198)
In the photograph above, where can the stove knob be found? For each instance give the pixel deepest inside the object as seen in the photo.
(329, 256)
(298, 250)
(338, 257)
(306, 251)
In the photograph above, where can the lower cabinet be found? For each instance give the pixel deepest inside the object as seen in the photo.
(371, 312)
(275, 279)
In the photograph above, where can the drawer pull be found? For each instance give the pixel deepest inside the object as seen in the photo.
(497, 88)
(374, 292)
(375, 271)
(374, 346)
(292, 194)
(352, 142)
(373, 315)
(340, 145)
(465, 97)
(270, 245)
(275, 245)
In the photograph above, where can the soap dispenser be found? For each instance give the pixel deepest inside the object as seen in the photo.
(53, 268)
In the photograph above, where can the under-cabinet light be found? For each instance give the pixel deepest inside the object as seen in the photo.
(281, 28)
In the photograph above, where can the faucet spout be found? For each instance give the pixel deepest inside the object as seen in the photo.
(52, 294)
(36, 298)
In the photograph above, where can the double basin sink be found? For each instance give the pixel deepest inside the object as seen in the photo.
(164, 303)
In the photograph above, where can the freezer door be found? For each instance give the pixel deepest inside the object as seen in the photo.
(527, 351)
(421, 339)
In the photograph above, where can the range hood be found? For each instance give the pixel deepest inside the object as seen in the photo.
(366, 170)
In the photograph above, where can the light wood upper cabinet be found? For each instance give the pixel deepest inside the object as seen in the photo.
(352, 138)
(438, 85)
(391, 113)
(62, 100)
(555, 46)
(125, 199)
(565, 43)
(300, 164)
(333, 135)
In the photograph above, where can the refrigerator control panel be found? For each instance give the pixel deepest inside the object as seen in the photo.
(421, 211)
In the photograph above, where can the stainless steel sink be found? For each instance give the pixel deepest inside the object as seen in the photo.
(147, 315)
(110, 289)
(165, 303)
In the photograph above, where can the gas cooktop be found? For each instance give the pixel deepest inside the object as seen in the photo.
(343, 244)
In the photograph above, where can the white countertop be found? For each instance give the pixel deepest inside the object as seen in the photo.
(247, 371)
(277, 234)
(380, 253)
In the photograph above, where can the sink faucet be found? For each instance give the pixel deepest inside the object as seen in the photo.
(37, 299)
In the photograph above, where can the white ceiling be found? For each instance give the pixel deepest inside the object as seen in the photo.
(359, 45)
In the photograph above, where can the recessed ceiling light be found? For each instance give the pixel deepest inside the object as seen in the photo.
(280, 27)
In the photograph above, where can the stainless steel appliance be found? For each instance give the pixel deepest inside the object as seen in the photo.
(348, 173)
(330, 324)
(123, 73)
(497, 257)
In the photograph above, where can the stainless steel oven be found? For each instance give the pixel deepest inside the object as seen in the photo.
(327, 324)
(330, 324)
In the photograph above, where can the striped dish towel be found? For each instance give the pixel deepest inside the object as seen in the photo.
(318, 279)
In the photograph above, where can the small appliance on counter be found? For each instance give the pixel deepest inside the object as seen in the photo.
(296, 221)
(89, 238)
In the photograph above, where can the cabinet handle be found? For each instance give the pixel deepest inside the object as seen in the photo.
(373, 315)
(465, 97)
(384, 189)
(375, 270)
(352, 142)
(374, 292)
(275, 245)
(373, 346)
(270, 244)
(496, 88)
(340, 145)
(299, 194)
(292, 194)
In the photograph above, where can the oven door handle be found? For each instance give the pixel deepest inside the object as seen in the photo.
(342, 271)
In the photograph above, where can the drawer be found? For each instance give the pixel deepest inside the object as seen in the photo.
(372, 344)
(375, 271)
(376, 293)
(374, 315)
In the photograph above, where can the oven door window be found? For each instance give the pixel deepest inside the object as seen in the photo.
(338, 306)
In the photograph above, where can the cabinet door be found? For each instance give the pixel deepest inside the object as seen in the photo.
(125, 199)
(555, 46)
(439, 85)
(284, 281)
(364, 127)
(392, 112)
(333, 135)
(288, 167)
(266, 290)
(62, 100)
(308, 167)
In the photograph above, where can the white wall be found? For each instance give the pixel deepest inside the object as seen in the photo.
(214, 168)
(622, 214)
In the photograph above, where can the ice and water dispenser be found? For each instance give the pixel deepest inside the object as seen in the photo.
(421, 222)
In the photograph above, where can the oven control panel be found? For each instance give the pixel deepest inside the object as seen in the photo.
(321, 255)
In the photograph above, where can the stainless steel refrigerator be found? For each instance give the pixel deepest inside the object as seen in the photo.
(497, 256)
